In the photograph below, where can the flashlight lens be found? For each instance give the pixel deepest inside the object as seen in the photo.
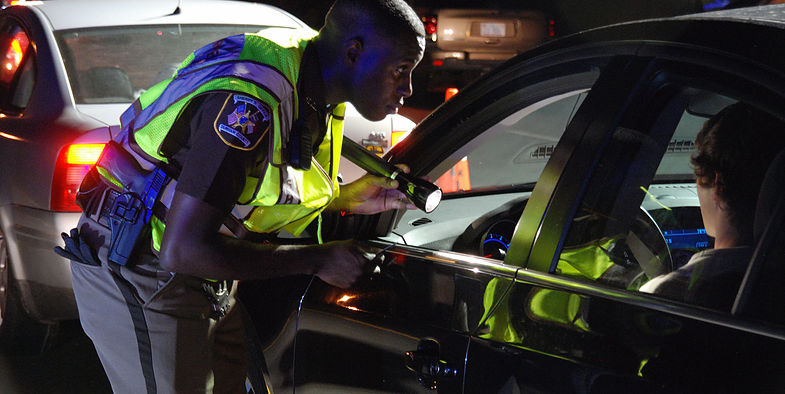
(433, 200)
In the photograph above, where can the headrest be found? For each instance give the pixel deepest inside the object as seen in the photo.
(772, 191)
(107, 82)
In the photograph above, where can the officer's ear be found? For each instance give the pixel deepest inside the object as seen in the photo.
(352, 49)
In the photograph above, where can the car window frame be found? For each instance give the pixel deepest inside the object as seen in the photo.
(418, 153)
(556, 196)
(733, 79)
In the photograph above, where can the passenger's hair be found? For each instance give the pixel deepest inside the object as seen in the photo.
(736, 146)
(391, 19)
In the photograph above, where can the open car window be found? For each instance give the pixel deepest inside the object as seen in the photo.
(638, 225)
(514, 151)
(488, 179)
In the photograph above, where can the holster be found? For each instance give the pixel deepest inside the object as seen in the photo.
(120, 195)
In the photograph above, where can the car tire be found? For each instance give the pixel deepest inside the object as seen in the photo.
(19, 333)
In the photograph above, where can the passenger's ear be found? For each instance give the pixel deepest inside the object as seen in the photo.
(353, 47)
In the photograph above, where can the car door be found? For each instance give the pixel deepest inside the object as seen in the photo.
(406, 326)
(577, 318)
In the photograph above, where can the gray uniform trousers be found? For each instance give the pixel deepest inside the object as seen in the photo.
(153, 333)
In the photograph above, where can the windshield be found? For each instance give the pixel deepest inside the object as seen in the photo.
(512, 152)
(117, 64)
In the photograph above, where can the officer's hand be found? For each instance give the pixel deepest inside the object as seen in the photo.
(342, 262)
(77, 250)
(372, 194)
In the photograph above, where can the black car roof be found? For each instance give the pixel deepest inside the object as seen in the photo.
(773, 15)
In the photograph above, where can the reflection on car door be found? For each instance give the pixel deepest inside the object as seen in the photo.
(403, 328)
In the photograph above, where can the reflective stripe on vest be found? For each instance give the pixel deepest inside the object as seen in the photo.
(287, 198)
(247, 63)
(276, 209)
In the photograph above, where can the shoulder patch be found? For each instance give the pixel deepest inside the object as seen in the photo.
(243, 121)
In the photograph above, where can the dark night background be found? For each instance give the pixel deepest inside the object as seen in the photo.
(72, 365)
(571, 15)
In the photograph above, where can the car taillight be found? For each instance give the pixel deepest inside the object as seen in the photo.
(72, 164)
(551, 28)
(430, 26)
(449, 93)
(14, 54)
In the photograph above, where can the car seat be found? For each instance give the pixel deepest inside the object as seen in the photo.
(106, 84)
(761, 295)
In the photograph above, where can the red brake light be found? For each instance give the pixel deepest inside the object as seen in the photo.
(72, 164)
(83, 153)
(449, 93)
(551, 28)
(430, 25)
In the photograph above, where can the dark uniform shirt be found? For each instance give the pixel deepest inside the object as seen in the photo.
(213, 171)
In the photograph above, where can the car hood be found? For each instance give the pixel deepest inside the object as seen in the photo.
(71, 14)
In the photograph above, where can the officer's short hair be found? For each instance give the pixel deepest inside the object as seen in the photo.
(393, 19)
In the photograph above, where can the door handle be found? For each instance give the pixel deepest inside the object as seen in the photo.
(427, 366)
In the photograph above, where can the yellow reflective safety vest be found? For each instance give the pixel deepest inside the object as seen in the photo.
(264, 66)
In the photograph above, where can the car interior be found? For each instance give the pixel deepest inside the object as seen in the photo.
(766, 264)
(105, 84)
(488, 182)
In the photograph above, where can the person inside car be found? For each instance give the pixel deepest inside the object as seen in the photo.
(734, 150)
(252, 120)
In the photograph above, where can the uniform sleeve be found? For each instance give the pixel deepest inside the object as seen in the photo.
(227, 138)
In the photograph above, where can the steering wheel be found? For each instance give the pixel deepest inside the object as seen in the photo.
(472, 240)
(639, 255)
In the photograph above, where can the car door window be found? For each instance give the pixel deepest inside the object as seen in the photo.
(16, 70)
(513, 151)
(626, 244)
(640, 217)
(489, 176)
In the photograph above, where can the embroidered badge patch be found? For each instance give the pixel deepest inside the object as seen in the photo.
(243, 121)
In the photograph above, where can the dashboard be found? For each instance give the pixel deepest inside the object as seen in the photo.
(484, 225)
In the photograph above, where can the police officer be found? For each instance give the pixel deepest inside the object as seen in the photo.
(251, 120)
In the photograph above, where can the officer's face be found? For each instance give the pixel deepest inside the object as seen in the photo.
(382, 76)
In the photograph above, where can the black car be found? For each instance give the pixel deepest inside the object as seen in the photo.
(567, 187)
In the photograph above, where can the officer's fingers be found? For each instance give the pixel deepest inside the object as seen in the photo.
(382, 182)
(394, 199)
(401, 203)
(405, 168)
